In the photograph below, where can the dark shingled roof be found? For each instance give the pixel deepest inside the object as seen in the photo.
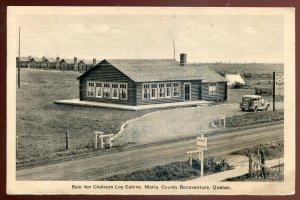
(23, 59)
(68, 61)
(52, 60)
(142, 70)
(87, 62)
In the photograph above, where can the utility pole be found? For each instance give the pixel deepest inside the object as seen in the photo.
(19, 64)
(274, 91)
(174, 48)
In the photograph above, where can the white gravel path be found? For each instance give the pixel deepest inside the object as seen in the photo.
(175, 123)
(169, 124)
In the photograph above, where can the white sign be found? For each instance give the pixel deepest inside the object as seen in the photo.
(202, 143)
(279, 83)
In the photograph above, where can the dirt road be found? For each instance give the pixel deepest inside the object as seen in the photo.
(107, 164)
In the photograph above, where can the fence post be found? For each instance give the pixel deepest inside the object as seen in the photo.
(67, 139)
(110, 144)
(250, 164)
(96, 140)
(263, 158)
(101, 142)
(190, 160)
(202, 164)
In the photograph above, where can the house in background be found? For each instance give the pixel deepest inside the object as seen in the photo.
(45, 63)
(66, 64)
(154, 81)
(54, 63)
(22, 62)
(81, 66)
(58, 64)
(84, 65)
(39, 62)
(32, 62)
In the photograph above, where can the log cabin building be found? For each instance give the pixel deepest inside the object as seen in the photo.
(141, 82)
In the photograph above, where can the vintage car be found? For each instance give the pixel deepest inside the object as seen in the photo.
(254, 102)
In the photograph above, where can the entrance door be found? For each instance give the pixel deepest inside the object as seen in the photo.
(187, 91)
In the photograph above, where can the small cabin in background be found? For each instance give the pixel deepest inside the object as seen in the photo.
(58, 64)
(23, 62)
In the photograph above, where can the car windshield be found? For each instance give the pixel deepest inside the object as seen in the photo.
(246, 99)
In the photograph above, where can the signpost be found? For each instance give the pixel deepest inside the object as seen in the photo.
(278, 86)
(201, 147)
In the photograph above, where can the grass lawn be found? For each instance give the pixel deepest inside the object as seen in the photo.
(41, 124)
(177, 171)
(252, 118)
(249, 67)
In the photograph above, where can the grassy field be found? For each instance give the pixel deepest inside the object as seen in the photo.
(250, 67)
(254, 118)
(41, 124)
(177, 171)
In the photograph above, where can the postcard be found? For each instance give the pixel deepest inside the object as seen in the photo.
(150, 100)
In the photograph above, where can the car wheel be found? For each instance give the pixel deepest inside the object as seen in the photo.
(255, 109)
(267, 107)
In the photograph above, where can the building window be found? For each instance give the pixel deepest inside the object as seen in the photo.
(123, 91)
(106, 90)
(212, 89)
(90, 89)
(175, 89)
(153, 91)
(146, 91)
(99, 90)
(168, 90)
(161, 91)
(115, 92)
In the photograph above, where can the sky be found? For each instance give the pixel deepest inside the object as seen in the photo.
(203, 37)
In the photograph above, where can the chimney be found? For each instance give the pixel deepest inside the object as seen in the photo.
(183, 59)
(57, 59)
(75, 60)
(29, 57)
(43, 58)
(94, 61)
